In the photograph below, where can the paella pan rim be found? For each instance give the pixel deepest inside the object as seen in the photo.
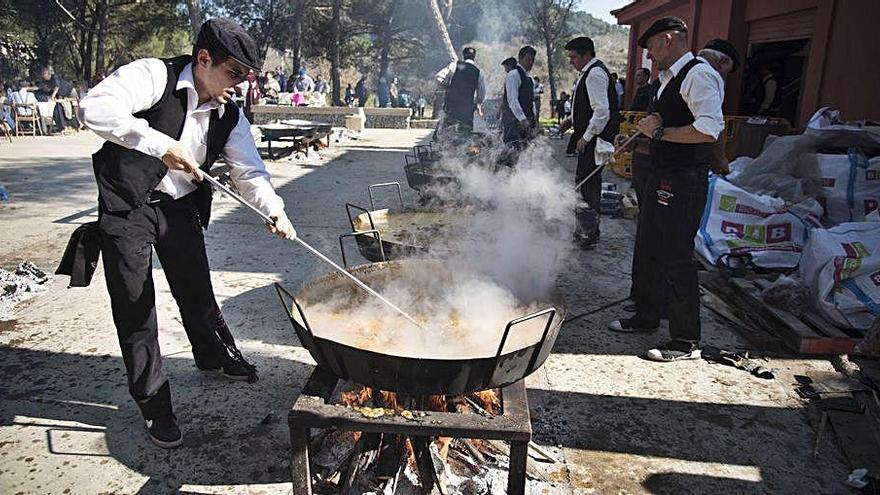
(554, 301)
(425, 375)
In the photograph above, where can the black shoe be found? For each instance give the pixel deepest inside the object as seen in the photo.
(164, 432)
(673, 351)
(632, 325)
(587, 241)
(235, 370)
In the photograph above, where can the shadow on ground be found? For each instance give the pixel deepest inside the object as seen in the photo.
(227, 425)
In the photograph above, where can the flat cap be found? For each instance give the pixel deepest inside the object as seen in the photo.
(661, 26)
(580, 44)
(509, 61)
(229, 37)
(725, 47)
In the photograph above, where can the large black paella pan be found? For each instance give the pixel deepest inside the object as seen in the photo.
(471, 341)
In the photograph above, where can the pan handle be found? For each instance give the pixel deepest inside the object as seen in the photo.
(415, 160)
(286, 297)
(349, 206)
(551, 311)
(374, 233)
(385, 184)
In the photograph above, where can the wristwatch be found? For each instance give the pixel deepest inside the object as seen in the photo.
(657, 135)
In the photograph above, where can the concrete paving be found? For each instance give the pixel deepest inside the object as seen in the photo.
(620, 424)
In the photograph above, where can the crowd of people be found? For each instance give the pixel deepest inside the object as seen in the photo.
(300, 89)
(20, 97)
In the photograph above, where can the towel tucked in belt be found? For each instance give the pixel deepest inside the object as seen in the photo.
(81, 255)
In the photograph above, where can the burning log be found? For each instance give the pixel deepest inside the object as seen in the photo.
(367, 449)
(336, 449)
(390, 454)
(457, 452)
(431, 467)
(533, 471)
(468, 447)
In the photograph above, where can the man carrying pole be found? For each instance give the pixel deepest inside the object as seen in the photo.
(595, 115)
(166, 122)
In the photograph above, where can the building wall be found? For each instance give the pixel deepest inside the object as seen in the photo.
(840, 70)
(850, 77)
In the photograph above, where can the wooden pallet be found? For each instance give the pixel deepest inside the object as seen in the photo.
(807, 334)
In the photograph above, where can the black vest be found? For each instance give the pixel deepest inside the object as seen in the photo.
(675, 113)
(526, 98)
(460, 103)
(127, 177)
(582, 110)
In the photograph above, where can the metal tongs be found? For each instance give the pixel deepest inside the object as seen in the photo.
(217, 184)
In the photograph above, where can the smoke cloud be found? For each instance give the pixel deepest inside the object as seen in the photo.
(513, 236)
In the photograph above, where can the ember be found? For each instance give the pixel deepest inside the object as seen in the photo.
(441, 444)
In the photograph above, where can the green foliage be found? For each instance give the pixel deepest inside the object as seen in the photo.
(68, 38)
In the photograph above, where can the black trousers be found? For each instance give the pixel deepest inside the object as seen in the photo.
(641, 168)
(591, 191)
(668, 221)
(127, 240)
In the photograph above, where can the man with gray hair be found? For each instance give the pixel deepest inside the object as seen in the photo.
(724, 58)
(684, 122)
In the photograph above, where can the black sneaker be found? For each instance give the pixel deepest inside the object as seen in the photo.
(632, 325)
(671, 352)
(587, 241)
(235, 370)
(164, 432)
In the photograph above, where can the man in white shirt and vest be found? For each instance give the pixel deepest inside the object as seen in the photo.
(465, 91)
(166, 122)
(684, 122)
(518, 119)
(595, 115)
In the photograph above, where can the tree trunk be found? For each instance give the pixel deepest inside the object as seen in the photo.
(336, 96)
(385, 40)
(442, 32)
(551, 69)
(102, 12)
(299, 15)
(194, 8)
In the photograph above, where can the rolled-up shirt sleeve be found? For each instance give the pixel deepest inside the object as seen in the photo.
(248, 171)
(703, 91)
(597, 89)
(108, 109)
(445, 75)
(480, 96)
(511, 84)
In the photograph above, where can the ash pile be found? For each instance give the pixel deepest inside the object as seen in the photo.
(25, 282)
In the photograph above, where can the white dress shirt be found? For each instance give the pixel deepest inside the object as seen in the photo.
(719, 75)
(109, 108)
(596, 85)
(702, 91)
(444, 78)
(511, 85)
